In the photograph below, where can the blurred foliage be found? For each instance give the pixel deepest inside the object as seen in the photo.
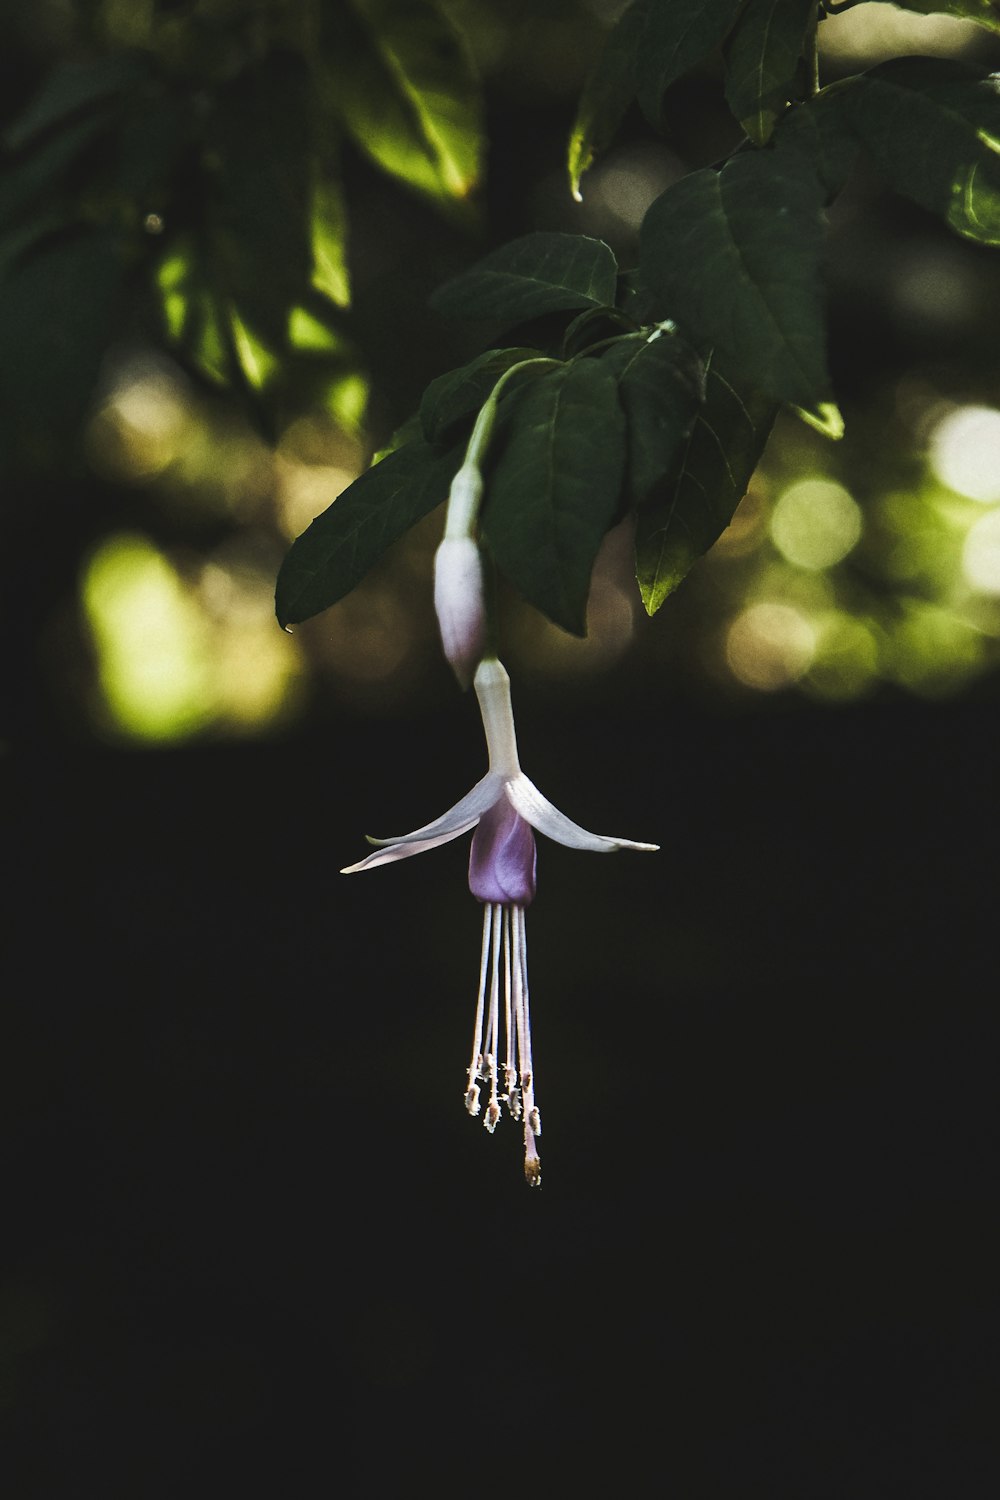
(176, 175)
(156, 154)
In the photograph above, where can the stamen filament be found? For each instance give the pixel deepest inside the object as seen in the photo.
(476, 1061)
(532, 1119)
(504, 928)
(492, 1115)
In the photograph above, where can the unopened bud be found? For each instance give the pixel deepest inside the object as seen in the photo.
(460, 606)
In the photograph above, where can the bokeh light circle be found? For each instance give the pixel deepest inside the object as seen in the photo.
(815, 523)
(965, 452)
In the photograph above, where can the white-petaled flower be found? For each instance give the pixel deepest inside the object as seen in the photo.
(504, 808)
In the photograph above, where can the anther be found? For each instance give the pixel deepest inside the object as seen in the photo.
(534, 1122)
(472, 1099)
(492, 1116)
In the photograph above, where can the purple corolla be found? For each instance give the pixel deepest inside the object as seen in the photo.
(504, 808)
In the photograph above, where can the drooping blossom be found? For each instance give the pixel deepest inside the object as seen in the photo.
(504, 809)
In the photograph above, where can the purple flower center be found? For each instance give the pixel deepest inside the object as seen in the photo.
(502, 858)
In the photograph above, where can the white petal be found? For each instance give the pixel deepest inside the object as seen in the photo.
(396, 852)
(456, 821)
(540, 813)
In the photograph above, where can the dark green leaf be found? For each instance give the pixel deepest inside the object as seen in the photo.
(259, 149)
(540, 273)
(819, 136)
(678, 35)
(607, 93)
(695, 506)
(661, 389)
(58, 315)
(75, 87)
(46, 168)
(555, 488)
(734, 257)
(340, 546)
(932, 130)
(763, 57)
(457, 395)
(154, 133)
(407, 432)
(401, 80)
(986, 12)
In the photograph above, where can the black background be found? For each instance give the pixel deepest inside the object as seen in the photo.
(254, 1244)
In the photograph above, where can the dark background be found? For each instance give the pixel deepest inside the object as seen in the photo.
(251, 1242)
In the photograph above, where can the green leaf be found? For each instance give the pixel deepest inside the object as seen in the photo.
(677, 36)
(259, 146)
(986, 12)
(818, 135)
(192, 317)
(329, 242)
(607, 93)
(401, 79)
(540, 273)
(554, 490)
(75, 87)
(453, 397)
(154, 131)
(932, 129)
(59, 312)
(343, 543)
(694, 507)
(256, 361)
(734, 257)
(763, 56)
(407, 432)
(46, 166)
(661, 389)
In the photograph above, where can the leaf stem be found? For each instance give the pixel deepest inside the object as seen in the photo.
(483, 429)
(812, 53)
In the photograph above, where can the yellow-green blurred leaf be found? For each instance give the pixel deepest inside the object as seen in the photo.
(607, 93)
(310, 334)
(329, 242)
(402, 81)
(256, 361)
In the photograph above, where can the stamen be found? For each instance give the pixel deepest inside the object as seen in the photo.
(532, 1119)
(476, 1063)
(510, 1066)
(493, 1111)
(504, 926)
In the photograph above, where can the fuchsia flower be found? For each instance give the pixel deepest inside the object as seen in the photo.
(504, 808)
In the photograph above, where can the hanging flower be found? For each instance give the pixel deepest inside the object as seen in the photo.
(504, 808)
